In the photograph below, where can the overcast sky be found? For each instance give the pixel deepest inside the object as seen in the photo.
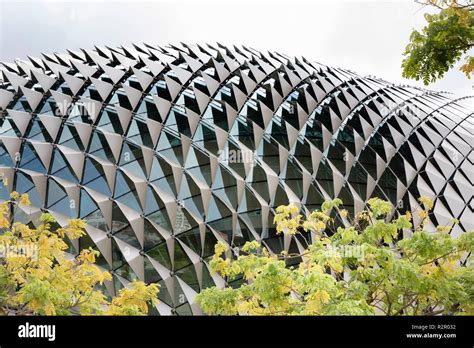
(365, 36)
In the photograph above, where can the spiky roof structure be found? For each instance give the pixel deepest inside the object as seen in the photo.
(164, 150)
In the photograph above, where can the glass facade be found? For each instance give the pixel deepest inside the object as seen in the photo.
(165, 150)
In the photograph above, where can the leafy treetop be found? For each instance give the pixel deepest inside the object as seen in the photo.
(363, 268)
(37, 277)
(447, 36)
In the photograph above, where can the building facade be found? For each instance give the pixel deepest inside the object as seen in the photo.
(165, 150)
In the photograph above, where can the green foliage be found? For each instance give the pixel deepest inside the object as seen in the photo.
(328, 205)
(37, 277)
(447, 36)
(362, 268)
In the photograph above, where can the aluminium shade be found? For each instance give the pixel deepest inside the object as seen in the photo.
(165, 150)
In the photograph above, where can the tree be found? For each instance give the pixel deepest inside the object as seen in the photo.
(38, 278)
(362, 268)
(447, 36)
